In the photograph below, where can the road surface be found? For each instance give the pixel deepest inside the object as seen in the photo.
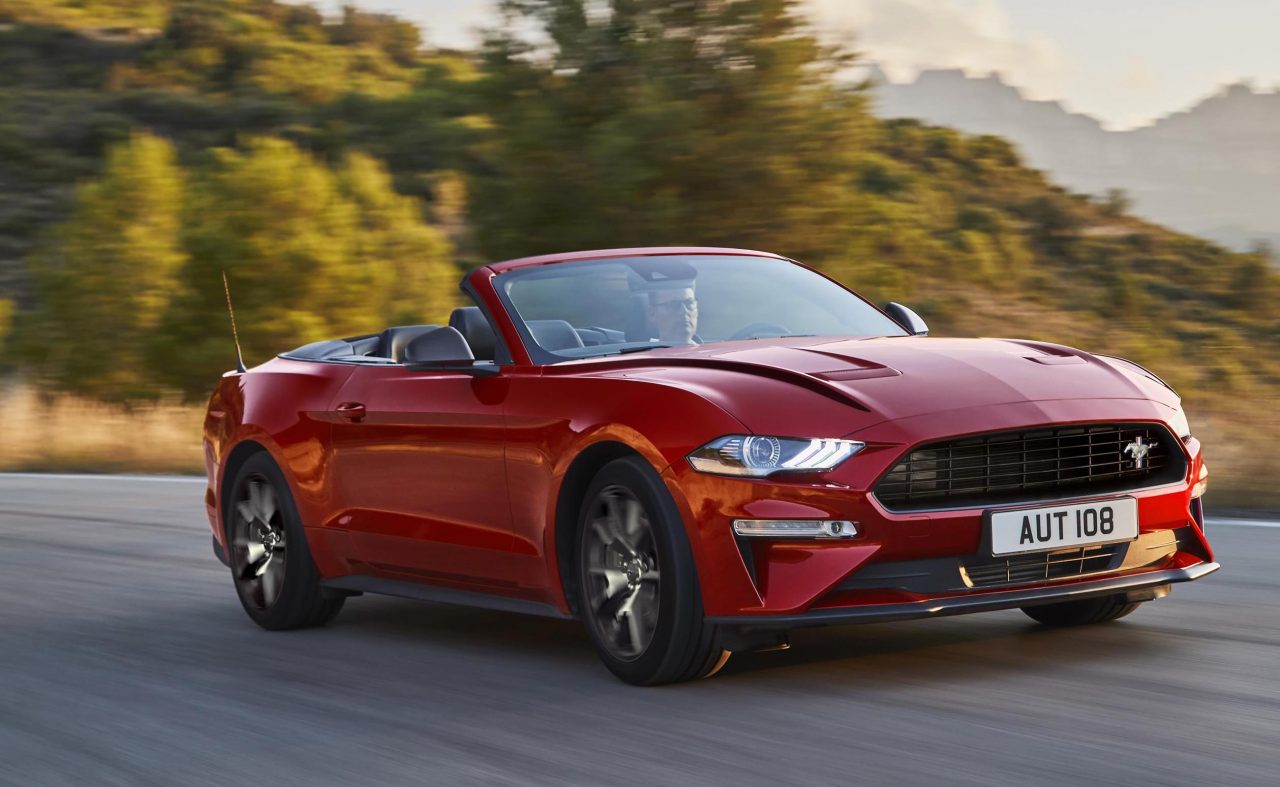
(126, 659)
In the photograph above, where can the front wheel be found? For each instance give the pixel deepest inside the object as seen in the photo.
(1082, 613)
(271, 566)
(638, 589)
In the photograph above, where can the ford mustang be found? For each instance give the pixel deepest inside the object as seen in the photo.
(693, 451)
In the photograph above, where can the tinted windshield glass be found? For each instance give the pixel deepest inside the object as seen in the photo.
(600, 307)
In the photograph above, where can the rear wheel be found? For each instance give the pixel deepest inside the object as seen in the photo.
(1082, 613)
(638, 591)
(271, 565)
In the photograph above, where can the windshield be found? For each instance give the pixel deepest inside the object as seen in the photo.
(611, 306)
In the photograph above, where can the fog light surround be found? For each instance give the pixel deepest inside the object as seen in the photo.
(1202, 483)
(795, 528)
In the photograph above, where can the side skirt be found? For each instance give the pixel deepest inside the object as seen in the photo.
(442, 595)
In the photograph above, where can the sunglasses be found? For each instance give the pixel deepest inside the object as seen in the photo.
(684, 303)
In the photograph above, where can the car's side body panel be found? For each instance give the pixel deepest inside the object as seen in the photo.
(418, 479)
(552, 418)
(283, 407)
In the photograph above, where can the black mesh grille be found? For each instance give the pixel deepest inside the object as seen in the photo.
(1038, 567)
(1029, 465)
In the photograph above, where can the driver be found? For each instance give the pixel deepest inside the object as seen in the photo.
(674, 312)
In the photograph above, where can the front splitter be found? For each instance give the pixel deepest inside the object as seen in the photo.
(977, 602)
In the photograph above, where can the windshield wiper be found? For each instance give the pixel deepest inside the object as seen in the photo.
(643, 347)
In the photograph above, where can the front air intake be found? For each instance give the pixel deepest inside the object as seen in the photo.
(1025, 466)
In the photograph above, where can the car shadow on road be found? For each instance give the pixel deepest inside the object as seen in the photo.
(922, 651)
(968, 647)
(444, 624)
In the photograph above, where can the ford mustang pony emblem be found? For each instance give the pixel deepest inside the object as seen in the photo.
(1138, 450)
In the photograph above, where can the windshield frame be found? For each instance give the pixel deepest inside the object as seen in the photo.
(542, 357)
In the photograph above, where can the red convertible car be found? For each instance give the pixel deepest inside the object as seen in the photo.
(693, 451)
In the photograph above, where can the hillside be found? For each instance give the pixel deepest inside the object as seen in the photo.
(1212, 170)
(318, 160)
(78, 76)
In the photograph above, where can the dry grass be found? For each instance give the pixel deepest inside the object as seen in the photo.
(1240, 439)
(73, 435)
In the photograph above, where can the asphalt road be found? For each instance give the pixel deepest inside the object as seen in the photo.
(125, 659)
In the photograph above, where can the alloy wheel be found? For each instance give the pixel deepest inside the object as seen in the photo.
(622, 572)
(258, 542)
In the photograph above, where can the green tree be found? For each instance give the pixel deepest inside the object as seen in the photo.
(1252, 282)
(6, 319)
(104, 281)
(417, 281)
(310, 254)
(254, 46)
(656, 122)
(86, 13)
(1116, 203)
(399, 39)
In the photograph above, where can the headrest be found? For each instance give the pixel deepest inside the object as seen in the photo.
(394, 340)
(638, 327)
(470, 322)
(438, 344)
(554, 334)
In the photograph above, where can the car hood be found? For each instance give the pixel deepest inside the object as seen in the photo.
(901, 377)
(905, 376)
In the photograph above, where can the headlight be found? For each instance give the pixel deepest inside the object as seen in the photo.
(1178, 423)
(759, 456)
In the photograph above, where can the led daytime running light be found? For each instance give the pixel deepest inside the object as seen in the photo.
(759, 456)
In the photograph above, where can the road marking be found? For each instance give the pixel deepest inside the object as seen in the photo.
(1237, 522)
(181, 479)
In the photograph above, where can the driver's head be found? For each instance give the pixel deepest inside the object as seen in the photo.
(674, 312)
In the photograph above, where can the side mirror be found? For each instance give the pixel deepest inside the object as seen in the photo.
(907, 319)
(444, 350)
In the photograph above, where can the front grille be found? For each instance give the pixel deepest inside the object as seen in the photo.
(1029, 465)
(1060, 564)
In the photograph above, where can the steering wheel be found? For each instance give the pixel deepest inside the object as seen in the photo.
(753, 330)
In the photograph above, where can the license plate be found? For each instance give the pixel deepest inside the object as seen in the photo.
(1054, 527)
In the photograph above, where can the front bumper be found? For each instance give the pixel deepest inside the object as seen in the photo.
(1140, 587)
(901, 563)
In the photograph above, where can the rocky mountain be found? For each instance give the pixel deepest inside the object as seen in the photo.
(1212, 170)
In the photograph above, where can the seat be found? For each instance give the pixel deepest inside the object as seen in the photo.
(392, 341)
(471, 323)
(638, 327)
(438, 344)
(554, 334)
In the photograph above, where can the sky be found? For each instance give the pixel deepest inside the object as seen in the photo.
(1125, 62)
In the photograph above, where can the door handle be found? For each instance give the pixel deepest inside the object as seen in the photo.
(352, 411)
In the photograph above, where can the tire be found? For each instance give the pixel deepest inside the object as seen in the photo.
(638, 588)
(271, 566)
(1082, 613)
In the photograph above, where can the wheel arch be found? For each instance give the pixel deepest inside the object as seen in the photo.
(235, 460)
(577, 478)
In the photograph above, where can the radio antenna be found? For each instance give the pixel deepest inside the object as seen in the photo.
(226, 288)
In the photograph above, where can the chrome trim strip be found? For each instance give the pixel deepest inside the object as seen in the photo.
(889, 513)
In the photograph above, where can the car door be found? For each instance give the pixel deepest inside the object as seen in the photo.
(419, 474)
